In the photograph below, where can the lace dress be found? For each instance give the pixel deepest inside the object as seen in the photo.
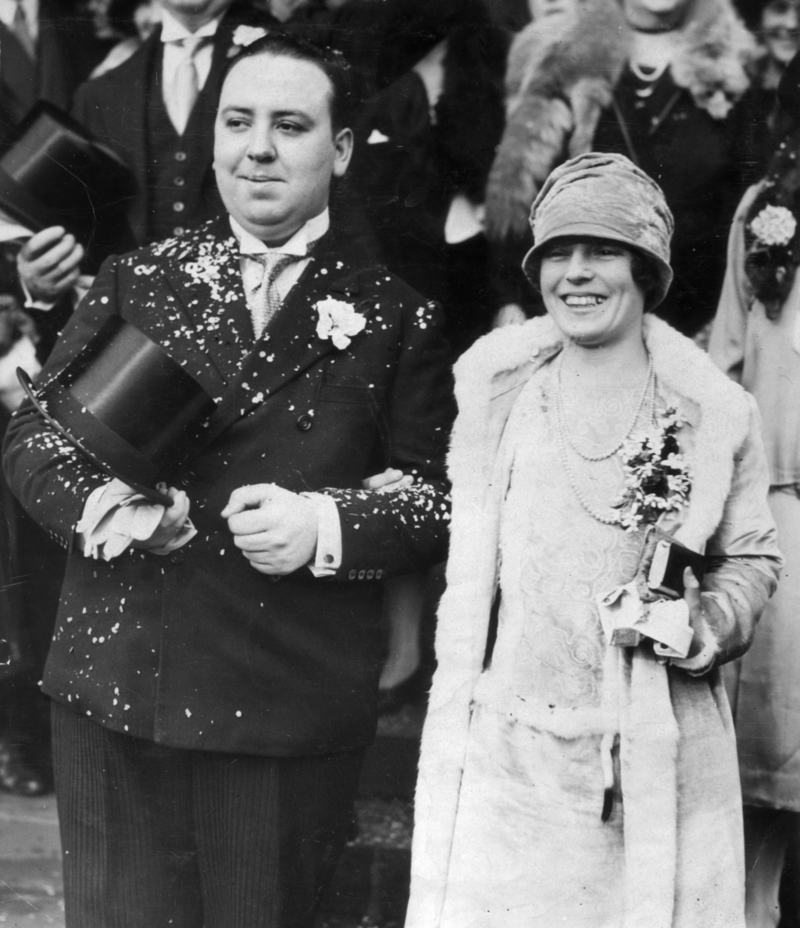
(529, 846)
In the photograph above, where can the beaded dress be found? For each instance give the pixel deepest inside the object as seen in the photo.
(529, 846)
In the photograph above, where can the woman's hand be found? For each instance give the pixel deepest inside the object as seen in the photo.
(704, 649)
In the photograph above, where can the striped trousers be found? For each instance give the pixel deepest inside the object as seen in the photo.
(159, 837)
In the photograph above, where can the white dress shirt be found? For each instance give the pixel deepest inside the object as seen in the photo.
(8, 10)
(253, 271)
(173, 32)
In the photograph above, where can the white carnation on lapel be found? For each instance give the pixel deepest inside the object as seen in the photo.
(246, 35)
(338, 321)
(774, 225)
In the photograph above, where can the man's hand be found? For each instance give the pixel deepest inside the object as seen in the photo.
(49, 264)
(275, 529)
(389, 481)
(171, 522)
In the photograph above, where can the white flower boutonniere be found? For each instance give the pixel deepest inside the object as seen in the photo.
(246, 35)
(774, 225)
(338, 321)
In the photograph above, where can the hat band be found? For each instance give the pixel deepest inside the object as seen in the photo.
(91, 435)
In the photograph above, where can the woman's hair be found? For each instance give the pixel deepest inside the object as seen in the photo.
(332, 63)
(644, 271)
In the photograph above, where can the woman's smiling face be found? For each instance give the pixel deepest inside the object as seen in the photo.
(588, 288)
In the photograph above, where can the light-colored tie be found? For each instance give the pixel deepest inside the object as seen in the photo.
(21, 29)
(184, 87)
(266, 299)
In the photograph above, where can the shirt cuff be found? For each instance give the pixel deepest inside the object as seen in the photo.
(79, 291)
(328, 558)
(115, 516)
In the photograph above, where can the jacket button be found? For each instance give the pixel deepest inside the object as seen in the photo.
(178, 206)
(180, 155)
(378, 574)
(177, 557)
(179, 181)
(362, 574)
(351, 575)
(304, 422)
(188, 478)
(370, 574)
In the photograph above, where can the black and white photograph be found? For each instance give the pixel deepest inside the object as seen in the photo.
(400, 485)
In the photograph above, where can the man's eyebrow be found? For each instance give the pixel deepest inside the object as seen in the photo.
(230, 108)
(298, 114)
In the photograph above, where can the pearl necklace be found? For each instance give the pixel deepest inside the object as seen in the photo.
(611, 517)
(562, 425)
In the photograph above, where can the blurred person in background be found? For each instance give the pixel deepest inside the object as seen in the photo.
(30, 571)
(131, 23)
(47, 49)
(658, 81)
(776, 25)
(756, 341)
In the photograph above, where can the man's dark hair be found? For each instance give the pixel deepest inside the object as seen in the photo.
(332, 63)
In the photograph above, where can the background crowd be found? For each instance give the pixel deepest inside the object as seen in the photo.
(464, 107)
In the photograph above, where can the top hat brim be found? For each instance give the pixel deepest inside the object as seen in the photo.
(152, 495)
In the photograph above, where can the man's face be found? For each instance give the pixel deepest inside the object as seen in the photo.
(275, 150)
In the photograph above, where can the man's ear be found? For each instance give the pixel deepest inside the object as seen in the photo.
(343, 143)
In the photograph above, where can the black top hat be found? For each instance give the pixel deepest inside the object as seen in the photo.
(55, 175)
(128, 406)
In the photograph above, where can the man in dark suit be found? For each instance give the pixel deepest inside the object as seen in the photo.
(156, 111)
(47, 49)
(213, 698)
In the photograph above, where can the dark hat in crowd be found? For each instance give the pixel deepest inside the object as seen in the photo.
(55, 175)
(127, 406)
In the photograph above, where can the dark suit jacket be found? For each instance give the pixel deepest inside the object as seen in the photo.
(67, 51)
(114, 109)
(198, 649)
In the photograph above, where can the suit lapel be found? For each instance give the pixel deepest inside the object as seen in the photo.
(55, 79)
(204, 275)
(17, 72)
(290, 346)
(130, 121)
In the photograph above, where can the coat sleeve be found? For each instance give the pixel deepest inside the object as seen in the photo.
(744, 560)
(726, 345)
(48, 476)
(396, 532)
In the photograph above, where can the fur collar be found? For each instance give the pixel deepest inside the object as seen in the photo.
(561, 76)
(491, 374)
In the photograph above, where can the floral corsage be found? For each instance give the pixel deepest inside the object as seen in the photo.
(657, 478)
(772, 243)
(338, 321)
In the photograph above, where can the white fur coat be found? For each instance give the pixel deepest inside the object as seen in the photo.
(723, 448)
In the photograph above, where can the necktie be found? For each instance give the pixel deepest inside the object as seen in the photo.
(266, 299)
(185, 85)
(22, 31)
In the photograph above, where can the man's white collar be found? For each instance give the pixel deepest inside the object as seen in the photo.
(297, 245)
(173, 31)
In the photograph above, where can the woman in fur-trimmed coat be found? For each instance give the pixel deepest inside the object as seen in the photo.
(662, 89)
(569, 776)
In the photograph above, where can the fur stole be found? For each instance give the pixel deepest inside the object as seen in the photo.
(717, 409)
(561, 76)
(489, 377)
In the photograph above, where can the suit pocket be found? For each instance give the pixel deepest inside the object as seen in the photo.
(354, 394)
